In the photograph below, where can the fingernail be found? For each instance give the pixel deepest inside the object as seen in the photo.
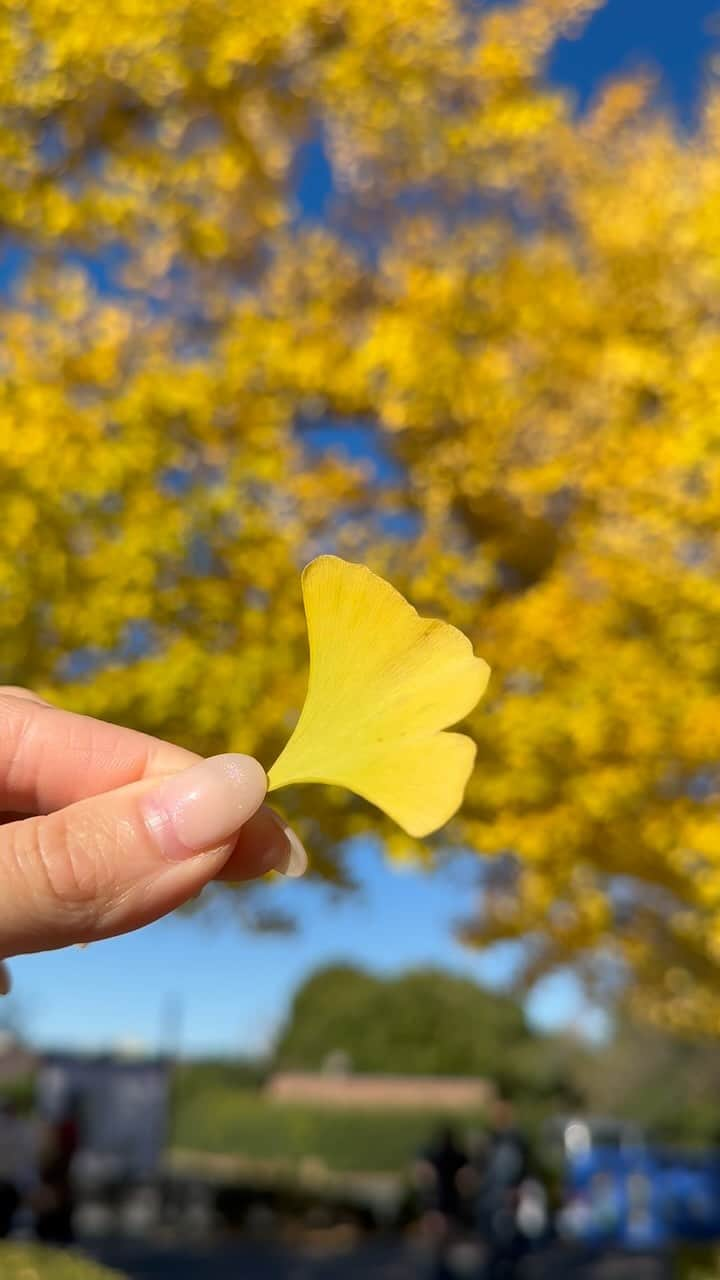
(202, 807)
(295, 861)
(5, 980)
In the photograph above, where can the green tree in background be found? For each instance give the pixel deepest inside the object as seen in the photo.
(422, 1023)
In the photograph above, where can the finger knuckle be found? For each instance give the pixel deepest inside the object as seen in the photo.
(68, 870)
(16, 729)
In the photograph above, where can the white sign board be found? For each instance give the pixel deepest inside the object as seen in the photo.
(121, 1109)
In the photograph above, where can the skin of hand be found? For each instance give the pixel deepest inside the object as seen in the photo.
(104, 829)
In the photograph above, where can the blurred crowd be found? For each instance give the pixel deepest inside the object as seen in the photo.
(482, 1204)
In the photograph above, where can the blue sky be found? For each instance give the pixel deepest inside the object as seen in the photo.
(228, 990)
(673, 38)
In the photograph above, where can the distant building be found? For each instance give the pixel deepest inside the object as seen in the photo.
(122, 1105)
(422, 1093)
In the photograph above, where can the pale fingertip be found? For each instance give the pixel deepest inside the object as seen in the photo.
(200, 808)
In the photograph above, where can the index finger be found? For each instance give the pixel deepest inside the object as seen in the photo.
(50, 758)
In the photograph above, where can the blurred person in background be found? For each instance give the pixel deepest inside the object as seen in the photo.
(18, 1162)
(506, 1169)
(438, 1178)
(9, 1166)
(54, 1199)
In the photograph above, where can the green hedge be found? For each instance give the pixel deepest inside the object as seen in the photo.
(233, 1121)
(33, 1262)
(20, 1092)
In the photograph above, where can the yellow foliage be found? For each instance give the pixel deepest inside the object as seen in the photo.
(511, 307)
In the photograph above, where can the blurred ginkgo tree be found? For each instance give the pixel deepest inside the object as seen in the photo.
(489, 367)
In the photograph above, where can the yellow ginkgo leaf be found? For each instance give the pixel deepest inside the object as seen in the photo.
(383, 684)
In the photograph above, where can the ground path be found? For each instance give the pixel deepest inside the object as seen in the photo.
(378, 1260)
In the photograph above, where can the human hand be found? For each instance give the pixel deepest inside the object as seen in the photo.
(103, 829)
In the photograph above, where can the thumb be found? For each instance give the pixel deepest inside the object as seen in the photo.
(119, 860)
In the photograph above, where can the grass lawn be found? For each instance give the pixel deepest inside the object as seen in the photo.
(700, 1262)
(34, 1262)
